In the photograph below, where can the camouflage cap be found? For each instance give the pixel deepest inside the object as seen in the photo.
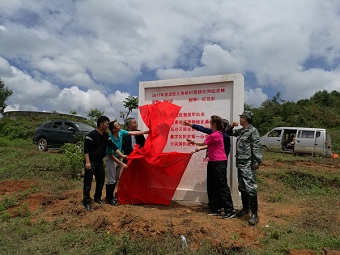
(247, 114)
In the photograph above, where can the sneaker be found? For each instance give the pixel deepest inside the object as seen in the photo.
(214, 213)
(88, 207)
(229, 215)
(98, 201)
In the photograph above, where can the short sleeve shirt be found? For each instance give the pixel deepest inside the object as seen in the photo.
(215, 146)
(118, 141)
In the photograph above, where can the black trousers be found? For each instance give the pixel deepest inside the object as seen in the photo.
(209, 186)
(220, 192)
(97, 169)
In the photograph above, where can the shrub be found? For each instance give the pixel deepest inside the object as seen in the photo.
(72, 158)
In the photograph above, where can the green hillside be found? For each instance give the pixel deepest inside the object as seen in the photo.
(320, 111)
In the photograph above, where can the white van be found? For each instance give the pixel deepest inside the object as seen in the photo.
(316, 141)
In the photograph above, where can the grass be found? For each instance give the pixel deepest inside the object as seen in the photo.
(47, 238)
(279, 240)
(289, 183)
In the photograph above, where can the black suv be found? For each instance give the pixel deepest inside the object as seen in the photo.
(53, 134)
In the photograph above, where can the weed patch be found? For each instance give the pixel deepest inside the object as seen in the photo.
(307, 183)
(279, 240)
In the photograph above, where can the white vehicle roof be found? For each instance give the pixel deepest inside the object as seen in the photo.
(301, 128)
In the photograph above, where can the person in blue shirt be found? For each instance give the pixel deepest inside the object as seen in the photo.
(112, 167)
(227, 146)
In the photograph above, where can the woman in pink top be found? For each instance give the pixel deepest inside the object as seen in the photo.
(217, 166)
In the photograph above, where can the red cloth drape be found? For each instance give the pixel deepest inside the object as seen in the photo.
(152, 176)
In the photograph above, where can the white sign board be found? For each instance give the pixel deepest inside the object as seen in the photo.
(199, 97)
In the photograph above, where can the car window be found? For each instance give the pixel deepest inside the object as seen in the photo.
(67, 125)
(84, 127)
(48, 125)
(57, 124)
(275, 133)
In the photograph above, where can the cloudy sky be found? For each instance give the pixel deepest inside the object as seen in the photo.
(83, 54)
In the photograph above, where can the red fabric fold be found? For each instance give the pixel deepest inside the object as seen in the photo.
(152, 176)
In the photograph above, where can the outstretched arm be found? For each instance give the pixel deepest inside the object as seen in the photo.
(200, 148)
(138, 132)
(196, 143)
(122, 164)
(229, 129)
(120, 154)
(187, 124)
(198, 127)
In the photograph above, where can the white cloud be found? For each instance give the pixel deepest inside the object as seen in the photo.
(27, 92)
(255, 97)
(214, 61)
(304, 84)
(5, 68)
(74, 99)
(93, 53)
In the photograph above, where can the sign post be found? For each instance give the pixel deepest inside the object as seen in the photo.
(199, 97)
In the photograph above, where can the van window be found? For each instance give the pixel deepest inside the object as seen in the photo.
(306, 134)
(318, 133)
(328, 141)
(275, 133)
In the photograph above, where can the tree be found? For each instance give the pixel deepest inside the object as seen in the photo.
(275, 101)
(94, 114)
(322, 98)
(4, 94)
(130, 103)
(247, 107)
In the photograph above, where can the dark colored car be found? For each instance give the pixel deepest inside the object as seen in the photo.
(54, 134)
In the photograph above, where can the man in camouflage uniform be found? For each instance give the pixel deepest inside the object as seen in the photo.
(248, 159)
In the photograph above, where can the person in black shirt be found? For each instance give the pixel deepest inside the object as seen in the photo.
(95, 146)
(129, 141)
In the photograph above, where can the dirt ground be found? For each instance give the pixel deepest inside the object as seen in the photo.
(188, 219)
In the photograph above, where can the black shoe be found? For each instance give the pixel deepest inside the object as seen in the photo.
(88, 207)
(254, 219)
(98, 201)
(215, 213)
(242, 212)
(229, 215)
(113, 202)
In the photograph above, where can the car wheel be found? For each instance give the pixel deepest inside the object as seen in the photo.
(42, 144)
(264, 148)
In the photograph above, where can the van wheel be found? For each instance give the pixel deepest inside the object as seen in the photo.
(42, 144)
(264, 148)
